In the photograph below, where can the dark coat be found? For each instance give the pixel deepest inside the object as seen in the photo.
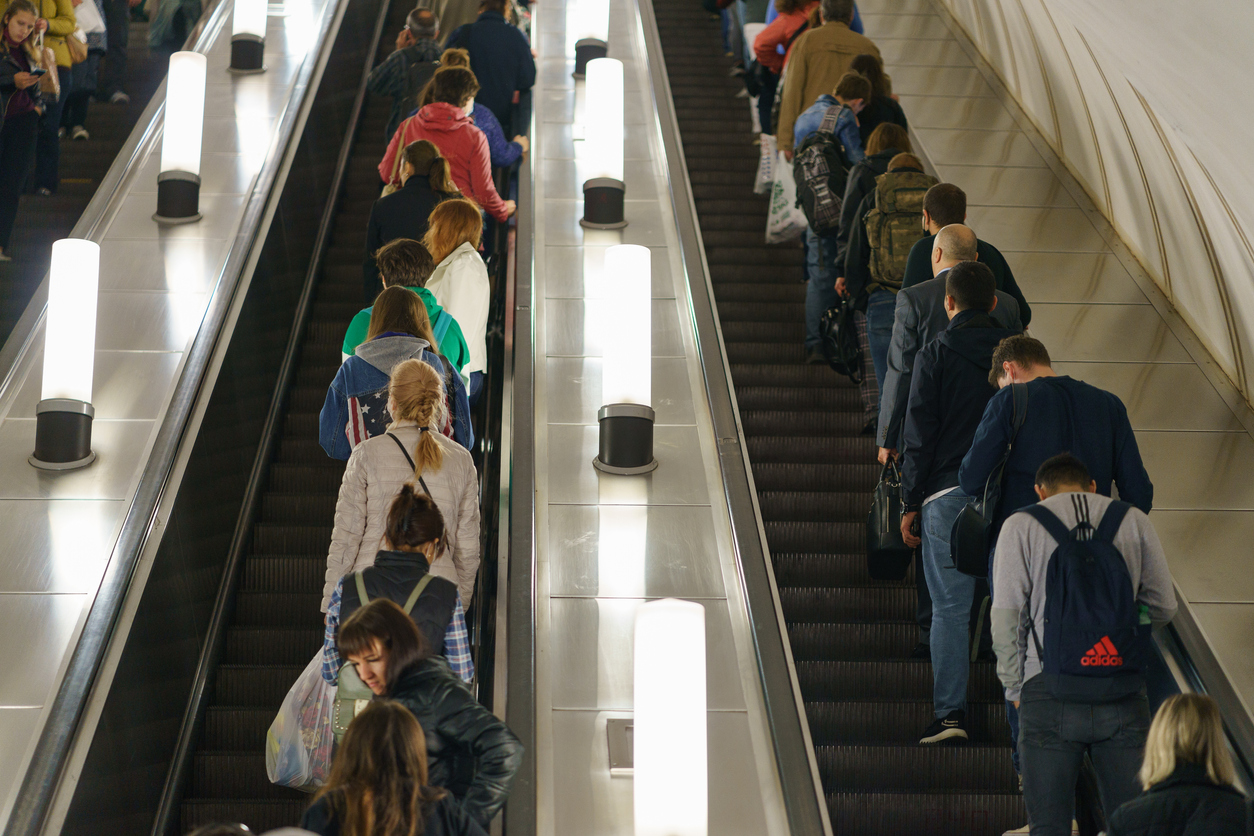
(919, 270)
(948, 392)
(394, 576)
(879, 110)
(9, 67)
(1063, 415)
(402, 214)
(501, 60)
(470, 752)
(861, 183)
(1187, 803)
(447, 818)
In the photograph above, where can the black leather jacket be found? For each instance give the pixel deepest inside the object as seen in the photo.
(470, 752)
(9, 68)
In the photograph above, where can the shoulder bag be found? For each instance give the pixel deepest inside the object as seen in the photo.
(887, 555)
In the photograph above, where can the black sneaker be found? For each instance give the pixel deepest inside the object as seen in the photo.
(814, 357)
(922, 650)
(948, 730)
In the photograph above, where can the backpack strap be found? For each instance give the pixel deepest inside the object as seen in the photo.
(830, 117)
(442, 323)
(413, 596)
(1111, 520)
(410, 459)
(801, 30)
(1056, 527)
(361, 588)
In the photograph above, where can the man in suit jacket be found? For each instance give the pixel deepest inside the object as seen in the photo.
(919, 318)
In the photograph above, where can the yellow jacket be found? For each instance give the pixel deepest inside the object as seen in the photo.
(817, 61)
(61, 23)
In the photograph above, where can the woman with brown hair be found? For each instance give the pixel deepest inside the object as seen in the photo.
(354, 409)
(411, 449)
(460, 281)
(379, 783)
(882, 107)
(446, 122)
(425, 180)
(471, 753)
(503, 153)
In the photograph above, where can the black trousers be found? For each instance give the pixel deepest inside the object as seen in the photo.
(17, 152)
(117, 15)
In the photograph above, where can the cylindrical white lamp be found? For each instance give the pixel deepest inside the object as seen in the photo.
(625, 420)
(670, 754)
(64, 414)
(248, 37)
(604, 191)
(178, 184)
(592, 20)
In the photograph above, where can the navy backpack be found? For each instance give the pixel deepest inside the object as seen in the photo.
(1095, 643)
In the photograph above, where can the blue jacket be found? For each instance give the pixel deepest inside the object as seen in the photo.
(856, 25)
(846, 127)
(361, 386)
(1063, 415)
(500, 58)
(948, 392)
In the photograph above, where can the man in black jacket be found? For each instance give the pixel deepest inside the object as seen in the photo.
(501, 60)
(404, 73)
(948, 393)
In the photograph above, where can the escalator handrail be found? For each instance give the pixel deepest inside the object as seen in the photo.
(797, 769)
(56, 739)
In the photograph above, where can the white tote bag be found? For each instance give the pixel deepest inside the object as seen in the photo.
(88, 17)
(766, 165)
(786, 221)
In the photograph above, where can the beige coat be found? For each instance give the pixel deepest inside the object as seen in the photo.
(815, 64)
(372, 479)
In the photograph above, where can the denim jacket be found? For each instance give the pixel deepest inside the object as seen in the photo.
(846, 127)
(361, 385)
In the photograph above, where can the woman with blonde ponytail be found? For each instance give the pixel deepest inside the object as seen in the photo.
(412, 449)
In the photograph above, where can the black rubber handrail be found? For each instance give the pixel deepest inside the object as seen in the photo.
(167, 819)
(42, 777)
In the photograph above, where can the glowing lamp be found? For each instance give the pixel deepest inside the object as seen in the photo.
(603, 193)
(64, 414)
(625, 421)
(592, 23)
(670, 754)
(178, 184)
(248, 37)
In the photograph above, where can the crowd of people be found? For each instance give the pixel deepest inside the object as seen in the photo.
(959, 397)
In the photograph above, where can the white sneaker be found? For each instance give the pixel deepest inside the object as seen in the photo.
(1020, 831)
(119, 98)
(79, 132)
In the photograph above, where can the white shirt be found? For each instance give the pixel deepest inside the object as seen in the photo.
(460, 284)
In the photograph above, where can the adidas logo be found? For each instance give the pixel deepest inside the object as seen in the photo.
(1103, 654)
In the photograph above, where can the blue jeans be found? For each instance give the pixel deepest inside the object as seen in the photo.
(952, 594)
(1053, 739)
(820, 285)
(881, 307)
(475, 387)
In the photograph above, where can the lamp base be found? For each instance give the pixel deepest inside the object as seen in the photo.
(178, 198)
(248, 54)
(588, 49)
(62, 435)
(603, 206)
(625, 444)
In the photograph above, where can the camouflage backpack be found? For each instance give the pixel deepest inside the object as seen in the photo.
(894, 224)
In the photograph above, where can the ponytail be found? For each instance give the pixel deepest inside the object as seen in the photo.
(414, 520)
(418, 394)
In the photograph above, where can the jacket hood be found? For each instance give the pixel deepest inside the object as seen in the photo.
(442, 116)
(428, 299)
(974, 335)
(385, 352)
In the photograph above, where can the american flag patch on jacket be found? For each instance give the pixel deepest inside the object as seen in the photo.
(367, 416)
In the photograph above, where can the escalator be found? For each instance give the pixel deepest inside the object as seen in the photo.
(44, 219)
(867, 702)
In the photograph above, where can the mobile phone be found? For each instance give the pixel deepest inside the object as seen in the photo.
(38, 71)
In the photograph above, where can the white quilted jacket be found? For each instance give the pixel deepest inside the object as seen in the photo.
(374, 476)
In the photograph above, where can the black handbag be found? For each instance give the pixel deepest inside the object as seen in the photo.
(971, 537)
(887, 555)
(840, 344)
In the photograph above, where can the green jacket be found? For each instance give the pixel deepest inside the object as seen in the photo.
(453, 346)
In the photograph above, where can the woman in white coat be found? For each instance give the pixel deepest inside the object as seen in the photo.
(412, 450)
(460, 281)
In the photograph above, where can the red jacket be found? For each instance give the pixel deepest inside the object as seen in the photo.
(462, 144)
(777, 33)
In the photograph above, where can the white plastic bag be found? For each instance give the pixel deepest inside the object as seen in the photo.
(300, 741)
(88, 17)
(786, 221)
(766, 165)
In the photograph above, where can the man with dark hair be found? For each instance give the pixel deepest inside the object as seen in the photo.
(815, 64)
(1062, 414)
(406, 263)
(404, 73)
(1079, 708)
(948, 393)
(501, 60)
(943, 205)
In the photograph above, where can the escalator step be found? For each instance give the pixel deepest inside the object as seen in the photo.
(970, 768)
(827, 641)
(810, 536)
(307, 509)
(883, 680)
(800, 403)
(936, 814)
(826, 570)
(816, 477)
(260, 815)
(283, 539)
(898, 722)
(278, 609)
(847, 604)
(815, 448)
(255, 686)
(268, 646)
(232, 730)
(814, 506)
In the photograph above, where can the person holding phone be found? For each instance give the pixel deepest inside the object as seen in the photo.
(20, 109)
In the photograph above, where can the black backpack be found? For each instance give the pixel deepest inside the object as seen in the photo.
(841, 347)
(819, 168)
(1093, 630)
